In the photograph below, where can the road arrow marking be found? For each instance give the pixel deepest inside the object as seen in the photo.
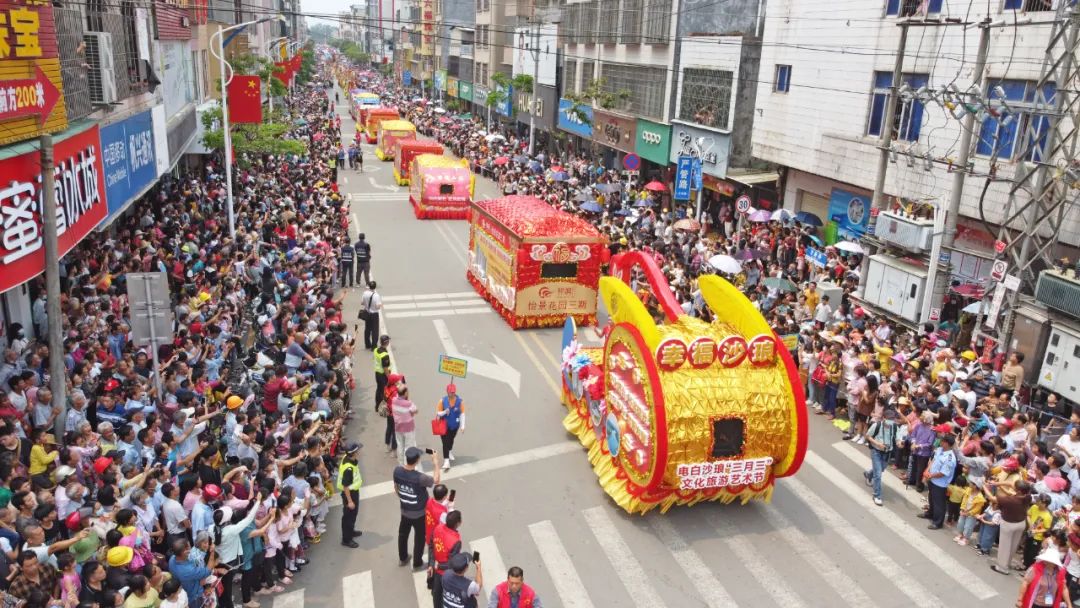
(500, 370)
(374, 185)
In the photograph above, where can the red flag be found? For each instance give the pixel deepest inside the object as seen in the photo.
(296, 64)
(245, 100)
(281, 72)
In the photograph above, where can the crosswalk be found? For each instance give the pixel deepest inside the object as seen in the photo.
(434, 305)
(715, 559)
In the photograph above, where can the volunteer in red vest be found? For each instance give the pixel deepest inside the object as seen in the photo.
(513, 592)
(445, 543)
(452, 409)
(435, 512)
(1044, 583)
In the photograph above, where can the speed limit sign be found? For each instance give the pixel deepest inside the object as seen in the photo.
(742, 204)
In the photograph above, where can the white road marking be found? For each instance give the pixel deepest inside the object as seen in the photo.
(695, 569)
(562, 571)
(440, 312)
(944, 562)
(491, 561)
(358, 590)
(345, 179)
(870, 551)
(385, 488)
(824, 565)
(499, 370)
(769, 579)
(355, 220)
(423, 594)
(374, 185)
(475, 300)
(431, 296)
(292, 599)
(862, 459)
(623, 560)
(454, 248)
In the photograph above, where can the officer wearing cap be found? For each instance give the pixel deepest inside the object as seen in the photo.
(412, 486)
(348, 483)
(458, 589)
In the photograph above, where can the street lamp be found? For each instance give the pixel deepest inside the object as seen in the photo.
(225, 110)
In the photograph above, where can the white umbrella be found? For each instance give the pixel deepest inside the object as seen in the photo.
(440, 110)
(850, 247)
(973, 308)
(725, 264)
(782, 215)
(495, 137)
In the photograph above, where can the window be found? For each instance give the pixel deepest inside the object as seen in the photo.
(1029, 6)
(909, 113)
(782, 81)
(630, 32)
(569, 83)
(588, 68)
(998, 135)
(908, 8)
(706, 97)
(446, 189)
(645, 85)
(566, 270)
(729, 434)
(657, 22)
(608, 22)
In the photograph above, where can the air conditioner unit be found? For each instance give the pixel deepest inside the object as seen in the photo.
(102, 72)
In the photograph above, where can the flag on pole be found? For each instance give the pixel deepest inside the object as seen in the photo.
(245, 100)
(281, 72)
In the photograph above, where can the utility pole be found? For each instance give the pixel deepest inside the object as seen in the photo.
(57, 373)
(885, 139)
(536, 77)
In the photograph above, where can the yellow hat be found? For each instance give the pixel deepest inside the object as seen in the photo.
(234, 402)
(622, 241)
(204, 296)
(915, 364)
(119, 556)
(969, 355)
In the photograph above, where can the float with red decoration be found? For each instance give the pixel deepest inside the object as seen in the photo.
(441, 188)
(408, 149)
(536, 265)
(683, 411)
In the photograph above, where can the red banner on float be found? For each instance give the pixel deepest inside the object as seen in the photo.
(80, 204)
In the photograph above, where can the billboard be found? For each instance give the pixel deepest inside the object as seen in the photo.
(571, 120)
(427, 27)
(129, 159)
(851, 212)
(80, 204)
(33, 100)
(547, 47)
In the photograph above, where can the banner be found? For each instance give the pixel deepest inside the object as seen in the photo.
(570, 119)
(80, 204)
(850, 212)
(128, 159)
(245, 100)
(29, 72)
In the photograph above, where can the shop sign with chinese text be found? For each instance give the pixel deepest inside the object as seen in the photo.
(80, 204)
(614, 131)
(127, 154)
(427, 27)
(31, 90)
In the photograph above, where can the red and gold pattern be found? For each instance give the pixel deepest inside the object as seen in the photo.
(689, 411)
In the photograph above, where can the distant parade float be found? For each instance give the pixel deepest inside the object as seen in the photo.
(536, 265)
(408, 149)
(390, 133)
(372, 118)
(441, 188)
(360, 102)
(683, 411)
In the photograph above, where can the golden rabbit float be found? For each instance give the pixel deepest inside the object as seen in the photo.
(683, 411)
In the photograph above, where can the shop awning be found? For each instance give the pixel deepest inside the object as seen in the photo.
(751, 178)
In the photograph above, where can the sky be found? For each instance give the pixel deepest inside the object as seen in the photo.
(332, 7)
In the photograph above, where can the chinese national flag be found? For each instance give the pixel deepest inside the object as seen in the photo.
(245, 99)
(281, 72)
(296, 60)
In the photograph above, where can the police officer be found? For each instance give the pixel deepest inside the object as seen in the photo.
(412, 486)
(348, 483)
(346, 257)
(363, 258)
(458, 589)
(382, 368)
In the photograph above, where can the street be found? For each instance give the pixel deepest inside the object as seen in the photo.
(529, 497)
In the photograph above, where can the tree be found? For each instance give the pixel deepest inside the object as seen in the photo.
(322, 32)
(596, 95)
(253, 65)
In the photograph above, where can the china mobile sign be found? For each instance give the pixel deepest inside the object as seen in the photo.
(80, 204)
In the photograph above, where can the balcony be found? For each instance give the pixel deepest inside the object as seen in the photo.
(910, 233)
(1059, 291)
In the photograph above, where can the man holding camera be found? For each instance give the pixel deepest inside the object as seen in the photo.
(412, 486)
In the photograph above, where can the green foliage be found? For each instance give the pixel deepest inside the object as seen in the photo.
(352, 51)
(595, 95)
(265, 138)
(322, 32)
(307, 66)
(247, 64)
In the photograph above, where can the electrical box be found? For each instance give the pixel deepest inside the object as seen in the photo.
(911, 233)
(896, 286)
(1061, 362)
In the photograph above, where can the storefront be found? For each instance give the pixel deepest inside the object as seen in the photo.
(452, 89)
(128, 156)
(479, 99)
(544, 104)
(570, 120)
(713, 147)
(615, 134)
(653, 144)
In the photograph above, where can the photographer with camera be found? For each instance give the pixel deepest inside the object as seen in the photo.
(412, 486)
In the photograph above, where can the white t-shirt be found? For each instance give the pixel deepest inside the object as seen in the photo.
(181, 601)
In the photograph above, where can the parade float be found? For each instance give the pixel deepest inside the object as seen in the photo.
(391, 132)
(536, 265)
(441, 188)
(372, 118)
(408, 149)
(683, 411)
(361, 102)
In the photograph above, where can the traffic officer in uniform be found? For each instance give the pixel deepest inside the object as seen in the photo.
(382, 368)
(445, 543)
(412, 486)
(348, 483)
(346, 259)
(458, 589)
(363, 258)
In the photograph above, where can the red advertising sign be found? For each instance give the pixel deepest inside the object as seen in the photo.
(32, 97)
(80, 204)
(30, 83)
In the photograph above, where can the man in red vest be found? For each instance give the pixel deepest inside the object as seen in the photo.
(436, 510)
(513, 592)
(445, 543)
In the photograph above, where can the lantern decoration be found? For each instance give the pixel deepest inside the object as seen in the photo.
(441, 188)
(536, 265)
(684, 411)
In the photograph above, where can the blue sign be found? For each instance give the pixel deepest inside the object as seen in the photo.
(683, 179)
(570, 118)
(816, 257)
(631, 162)
(127, 155)
(851, 212)
(696, 170)
(406, 78)
(506, 106)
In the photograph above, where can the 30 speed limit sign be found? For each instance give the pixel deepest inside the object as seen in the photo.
(742, 204)
(997, 272)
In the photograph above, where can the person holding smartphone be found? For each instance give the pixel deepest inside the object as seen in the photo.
(412, 486)
(458, 589)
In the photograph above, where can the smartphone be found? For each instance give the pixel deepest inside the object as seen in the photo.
(429, 451)
(475, 556)
(453, 495)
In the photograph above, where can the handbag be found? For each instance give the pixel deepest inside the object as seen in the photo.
(383, 410)
(820, 376)
(438, 426)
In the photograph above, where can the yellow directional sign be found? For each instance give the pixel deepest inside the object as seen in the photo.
(453, 366)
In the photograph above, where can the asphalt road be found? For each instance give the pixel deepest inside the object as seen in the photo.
(529, 497)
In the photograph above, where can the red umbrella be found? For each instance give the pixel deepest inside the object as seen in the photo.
(655, 186)
(556, 168)
(501, 160)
